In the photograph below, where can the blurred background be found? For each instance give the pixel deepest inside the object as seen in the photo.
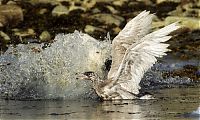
(41, 20)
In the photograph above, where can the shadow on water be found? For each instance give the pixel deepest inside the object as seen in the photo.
(175, 103)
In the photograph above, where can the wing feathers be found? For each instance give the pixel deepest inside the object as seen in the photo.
(134, 30)
(140, 56)
(166, 30)
(135, 27)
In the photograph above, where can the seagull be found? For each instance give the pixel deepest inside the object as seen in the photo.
(134, 51)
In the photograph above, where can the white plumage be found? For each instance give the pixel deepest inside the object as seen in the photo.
(134, 51)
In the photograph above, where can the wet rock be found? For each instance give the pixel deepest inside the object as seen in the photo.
(52, 2)
(105, 1)
(155, 79)
(177, 12)
(108, 19)
(187, 10)
(10, 15)
(158, 24)
(88, 4)
(96, 10)
(11, 3)
(91, 29)
(186, 44)
(45, 36)
(60, 10)
(160, 1)
(43, 11)
(116, 30)
(3, 20)
(146, 2)
(189, 22)
(187, 71)
(24, 33)
(5, 37)
(74, 7)
(112, 9)
(119, 2)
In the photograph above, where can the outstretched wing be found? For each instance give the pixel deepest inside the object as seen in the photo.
(134, 30)
(140, 56)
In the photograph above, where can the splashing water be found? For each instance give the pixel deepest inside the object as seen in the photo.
(197, 111)
(32, 72)
(28, 71)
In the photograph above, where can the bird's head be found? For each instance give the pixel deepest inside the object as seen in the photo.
(97, 82)
(87, 76)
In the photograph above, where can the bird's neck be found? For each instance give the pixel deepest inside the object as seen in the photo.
(99, 85)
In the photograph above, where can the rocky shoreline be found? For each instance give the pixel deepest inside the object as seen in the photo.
(41, 20)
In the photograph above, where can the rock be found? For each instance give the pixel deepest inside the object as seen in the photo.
(88, 4)
(187, 10)
(5, 37)
(105, 1)
(52, 2)
(160, 1)
(116, 30)
(11, 3)
(112, 9)
(119, 2)
(198, 4)
(60, 10)
(43, 11)
(178, 16)
(157, 25)
(91, 29)
(177, 12)
(21, 34)
(96, 10)
(146, 2)
(108, 19)
(10, 15)
(45, 36)
(74, 7)
(189, 22)
(3, 20)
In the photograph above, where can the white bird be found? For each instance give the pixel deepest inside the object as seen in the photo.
(134, 51)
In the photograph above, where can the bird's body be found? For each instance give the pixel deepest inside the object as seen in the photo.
(134, 51)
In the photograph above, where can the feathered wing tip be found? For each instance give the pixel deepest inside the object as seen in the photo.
(167, 30)
(138, 26)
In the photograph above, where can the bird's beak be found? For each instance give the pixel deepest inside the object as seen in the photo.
(82, 76)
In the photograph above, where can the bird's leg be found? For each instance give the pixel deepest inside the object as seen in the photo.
(124, 94)
(114, 96)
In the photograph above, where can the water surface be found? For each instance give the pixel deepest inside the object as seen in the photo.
(170, 104)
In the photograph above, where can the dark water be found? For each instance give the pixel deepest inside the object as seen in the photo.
(170, 104)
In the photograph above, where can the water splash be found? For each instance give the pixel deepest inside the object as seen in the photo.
(194, 114)
(197, 111)
(29, 71)
(35, 72)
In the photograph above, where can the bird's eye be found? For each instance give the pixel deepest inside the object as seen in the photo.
(89, 74)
